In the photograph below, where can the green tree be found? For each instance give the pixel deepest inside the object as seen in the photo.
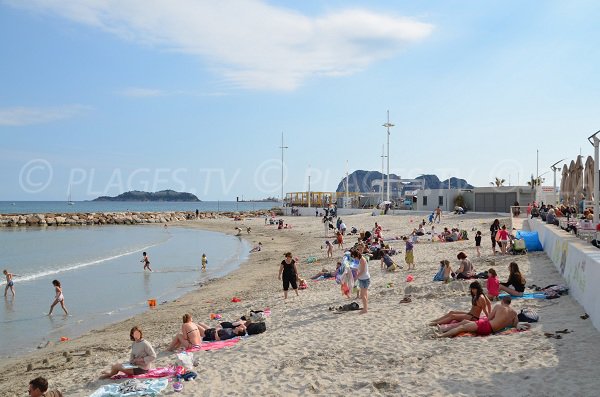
(498, 182)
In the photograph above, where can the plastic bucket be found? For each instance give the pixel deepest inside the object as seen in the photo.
(151, 302)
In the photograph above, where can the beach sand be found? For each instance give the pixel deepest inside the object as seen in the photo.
(309, 350)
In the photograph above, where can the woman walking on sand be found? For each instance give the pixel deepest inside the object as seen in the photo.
(288, 273)
(364, 280)
(58, 298)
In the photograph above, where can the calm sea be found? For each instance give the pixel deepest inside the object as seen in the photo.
(30, 207)
(101, 275)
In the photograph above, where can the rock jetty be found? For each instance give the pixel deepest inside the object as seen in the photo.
(114, 218)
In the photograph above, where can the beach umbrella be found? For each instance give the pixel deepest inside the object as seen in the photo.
(564, 180)
(570, 182)
(589, 178)
(578, 180)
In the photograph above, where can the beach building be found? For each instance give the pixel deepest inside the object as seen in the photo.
(478, 199)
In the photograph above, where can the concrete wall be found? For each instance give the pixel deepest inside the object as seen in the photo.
(433, 199)
(577, 261)
(499, 199)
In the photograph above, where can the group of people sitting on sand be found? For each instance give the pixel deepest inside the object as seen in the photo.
(501, 316)
(515, 285)
(190, 336)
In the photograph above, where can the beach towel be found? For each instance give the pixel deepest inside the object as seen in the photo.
(504, 331)
(149, 387)
(529, 295)
(321, 278)
(163, 372)
(216, 345)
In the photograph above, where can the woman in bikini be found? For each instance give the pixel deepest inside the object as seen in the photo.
(479, 303)
(58, 298)
(190, 335)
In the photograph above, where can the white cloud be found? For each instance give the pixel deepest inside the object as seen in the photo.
(19, 116)
(252, 43)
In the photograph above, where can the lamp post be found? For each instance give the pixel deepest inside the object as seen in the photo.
(309, 186)
(383, 156)
(387, 125)
(594, 140)
(282, 147)
(553, 167)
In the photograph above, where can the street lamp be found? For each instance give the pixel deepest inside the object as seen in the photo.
(387, 125)
(282, 147)
(553, 167)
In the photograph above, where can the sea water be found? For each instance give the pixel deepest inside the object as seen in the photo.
(34, 207)
(102, 278)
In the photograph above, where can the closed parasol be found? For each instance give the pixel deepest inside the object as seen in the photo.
(589, 178)
(570, 183)
(564, 180)
(578, 180)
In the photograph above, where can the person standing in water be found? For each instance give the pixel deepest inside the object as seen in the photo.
(9, 282)
(59, 298)
(146, 261)
(204, 261)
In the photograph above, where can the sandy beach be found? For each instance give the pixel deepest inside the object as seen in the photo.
(310, 350)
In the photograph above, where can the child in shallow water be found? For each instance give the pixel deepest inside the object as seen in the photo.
(9, 282)
(59, 298)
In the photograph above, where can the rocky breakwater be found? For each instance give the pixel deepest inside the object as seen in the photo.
(111, 218)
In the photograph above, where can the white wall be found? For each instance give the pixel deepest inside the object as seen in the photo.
(577, 261)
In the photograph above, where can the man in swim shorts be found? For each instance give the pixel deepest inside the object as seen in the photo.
(502, 316)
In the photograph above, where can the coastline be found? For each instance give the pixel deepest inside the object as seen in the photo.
(104, 285)
(309, 350)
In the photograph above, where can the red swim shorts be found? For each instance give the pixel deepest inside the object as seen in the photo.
(483, 327)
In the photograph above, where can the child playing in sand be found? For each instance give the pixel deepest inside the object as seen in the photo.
(204, 261)
(9, 282)
(257, 248)
(478, 242)
(409, 256)
(59, 298)
(493, 285)
(146, 261)
(329, 249)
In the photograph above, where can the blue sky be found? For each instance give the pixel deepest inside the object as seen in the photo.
(109, 96)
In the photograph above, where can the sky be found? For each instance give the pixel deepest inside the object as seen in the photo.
(101, 97)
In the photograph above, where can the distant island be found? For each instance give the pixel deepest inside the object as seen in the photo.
(163, 195)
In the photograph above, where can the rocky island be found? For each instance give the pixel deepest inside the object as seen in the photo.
(163, 195)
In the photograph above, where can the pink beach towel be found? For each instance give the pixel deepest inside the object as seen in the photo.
(216, 345)
(163, 372)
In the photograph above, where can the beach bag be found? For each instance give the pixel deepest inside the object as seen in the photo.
(257, 316)
(349, 307)
(186, 360)
(256, 328)
(528, 316)
(519, 245)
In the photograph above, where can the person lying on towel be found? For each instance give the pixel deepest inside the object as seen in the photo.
(502, 316)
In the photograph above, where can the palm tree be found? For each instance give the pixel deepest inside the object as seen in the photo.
(498, 182)
(535, 181)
